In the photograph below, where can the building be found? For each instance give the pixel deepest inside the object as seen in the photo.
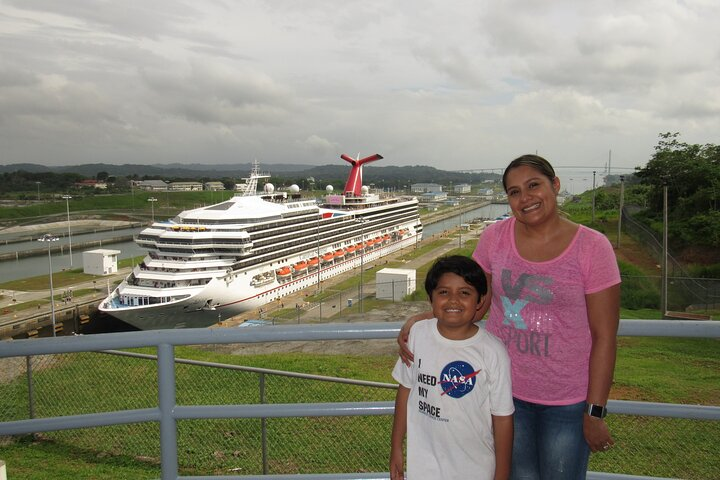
(100, 261)
(425, 187)
(214, 186)
(394, 283)
(185, 186)
(433, 197)
(462, 188)
(152, 185)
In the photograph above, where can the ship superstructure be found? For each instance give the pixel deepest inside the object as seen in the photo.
(211, 263)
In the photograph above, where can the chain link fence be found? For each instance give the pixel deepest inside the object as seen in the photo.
(82, 383)
(684, 291)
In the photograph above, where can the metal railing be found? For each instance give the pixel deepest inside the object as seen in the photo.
(168, 413)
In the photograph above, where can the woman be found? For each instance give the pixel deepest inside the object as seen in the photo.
(555, 296)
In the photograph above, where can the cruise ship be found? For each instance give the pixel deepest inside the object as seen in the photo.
(209, 264)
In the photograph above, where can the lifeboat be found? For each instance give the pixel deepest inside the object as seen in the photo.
(369, 243)
(386, 238)
(300, 267)
(359, 246)
(350, 250)
(313, 261)
(402, 232)
(176, 228)
(283, 272)
(328, 257)
(378, 240)
(339, 253)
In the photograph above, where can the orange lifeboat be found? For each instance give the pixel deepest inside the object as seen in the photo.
(313, 261)
(369, 243)
(386, 238)
(283, 272)
(359, 246)
(402, 232)
(328, 257)
(300, 267)
(339, 253)
(378, 240)
(351, 249)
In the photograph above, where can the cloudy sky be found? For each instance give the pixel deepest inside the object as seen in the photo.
(455, 85)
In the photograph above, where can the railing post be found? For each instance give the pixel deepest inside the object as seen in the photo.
(31, 390)
(263, 427)
(166, 401)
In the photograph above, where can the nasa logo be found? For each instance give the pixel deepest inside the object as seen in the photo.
(457, 379)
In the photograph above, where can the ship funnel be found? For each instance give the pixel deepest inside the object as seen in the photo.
(354, 181)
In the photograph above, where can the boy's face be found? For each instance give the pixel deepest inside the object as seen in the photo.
(454, 301)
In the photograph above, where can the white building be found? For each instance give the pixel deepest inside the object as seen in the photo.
(425, 187)
(394, 283)
(462, 188)
(100, 261)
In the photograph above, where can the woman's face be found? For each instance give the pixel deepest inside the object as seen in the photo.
(532, 195)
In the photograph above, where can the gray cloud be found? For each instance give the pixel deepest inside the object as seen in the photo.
(455, 85)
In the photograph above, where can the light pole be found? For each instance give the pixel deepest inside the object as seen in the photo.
(67, 208)
(361, 221)
(38, 190)
(459, 231)
(49, 239)
(152, 201)
(317, 242)
(622, 201)
(593, 199)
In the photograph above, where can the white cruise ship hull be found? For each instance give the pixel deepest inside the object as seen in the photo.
(236, 295)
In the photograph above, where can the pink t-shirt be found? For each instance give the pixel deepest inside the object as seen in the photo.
(538, 310)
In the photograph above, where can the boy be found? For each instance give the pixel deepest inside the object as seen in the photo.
(455, 401)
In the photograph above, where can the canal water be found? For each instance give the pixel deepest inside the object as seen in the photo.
(39, 265)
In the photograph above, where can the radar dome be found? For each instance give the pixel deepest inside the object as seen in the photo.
(269, 188)
(364, 189)
(329, 189)
(294, 188)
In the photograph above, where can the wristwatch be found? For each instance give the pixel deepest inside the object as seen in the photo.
(597, 411)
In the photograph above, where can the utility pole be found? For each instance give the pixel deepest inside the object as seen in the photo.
(622, 201)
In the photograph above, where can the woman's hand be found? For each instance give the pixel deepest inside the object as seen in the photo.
(597, 434)
(405, 354)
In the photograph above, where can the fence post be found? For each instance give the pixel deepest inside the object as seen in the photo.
(166, 397)
(263, 427)
(31, 390)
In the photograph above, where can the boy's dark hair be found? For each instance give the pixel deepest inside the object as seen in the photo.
(459, 265)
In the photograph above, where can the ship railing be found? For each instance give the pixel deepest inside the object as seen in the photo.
(168, 413)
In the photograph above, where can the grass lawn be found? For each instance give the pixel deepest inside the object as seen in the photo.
(648, 369)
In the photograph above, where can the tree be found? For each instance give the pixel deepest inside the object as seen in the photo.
(692, 175)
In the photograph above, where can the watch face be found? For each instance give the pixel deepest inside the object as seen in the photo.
(596, 411)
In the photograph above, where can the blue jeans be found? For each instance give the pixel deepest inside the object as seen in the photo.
(549, 443)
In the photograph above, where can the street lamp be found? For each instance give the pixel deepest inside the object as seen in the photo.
(67, 207)
(593, 199)
(622, 200)
(49, 239)
(152, 201)
(362, 221)
(38, 190)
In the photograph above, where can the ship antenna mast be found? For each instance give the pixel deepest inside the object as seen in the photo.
(251, 182)
(354, 181)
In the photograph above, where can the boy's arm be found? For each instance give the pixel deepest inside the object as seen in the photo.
(503, 436)
(398, 434)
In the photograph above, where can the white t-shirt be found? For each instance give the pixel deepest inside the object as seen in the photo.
(455, 388)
